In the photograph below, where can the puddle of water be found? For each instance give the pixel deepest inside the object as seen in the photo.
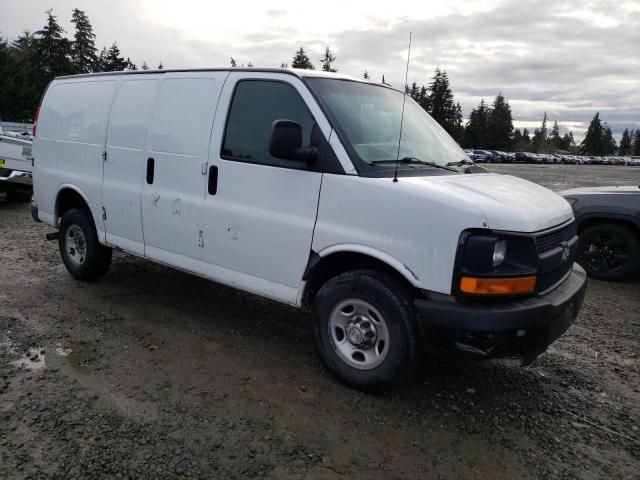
(38, 358)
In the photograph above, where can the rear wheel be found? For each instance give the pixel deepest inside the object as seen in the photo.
(609, 252)
(363, 327)
(81, 252)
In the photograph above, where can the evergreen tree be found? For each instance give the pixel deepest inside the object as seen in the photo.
(567, 141)
(160, 66)
(53, 50)
(301, 60)
(500, 125)
(593, 143)
(101, 64)
(526, 138)
(439, 101)
(475, 134)
(233, 62)
(144, 66)
(249, 65)
(625, 143)
(457, 131)
(284, 65)
(327, 60)
(131, 65)
(365, 75)
(517, 139)
(21, 79)
(608, 142)
(113, 61)
(637, 142)
(540, 136)
(83, 48)
(555, 139)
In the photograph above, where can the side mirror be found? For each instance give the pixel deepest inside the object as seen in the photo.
(286, 142)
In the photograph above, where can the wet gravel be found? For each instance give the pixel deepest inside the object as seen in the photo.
(152, 373)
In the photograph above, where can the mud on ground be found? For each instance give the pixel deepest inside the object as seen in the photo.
(152, 373)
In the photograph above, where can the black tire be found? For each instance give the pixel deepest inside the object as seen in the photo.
(609, 251)
(94, 259)
(393, 303)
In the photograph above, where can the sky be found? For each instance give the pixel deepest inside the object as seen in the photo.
(569, 59)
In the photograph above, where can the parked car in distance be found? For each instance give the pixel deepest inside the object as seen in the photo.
(222, 168)
(608, 222)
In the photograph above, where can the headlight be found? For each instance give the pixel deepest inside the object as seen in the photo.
(499, 252)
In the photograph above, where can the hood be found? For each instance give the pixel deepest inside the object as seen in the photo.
(508, 203)
(600, 190)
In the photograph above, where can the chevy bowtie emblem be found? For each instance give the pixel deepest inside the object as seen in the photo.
(566, 251)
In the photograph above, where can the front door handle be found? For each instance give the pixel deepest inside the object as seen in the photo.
(212, 185)
(151, 165)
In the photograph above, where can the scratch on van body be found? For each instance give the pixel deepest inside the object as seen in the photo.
(411, 272)
(177, 203)
(233, 233)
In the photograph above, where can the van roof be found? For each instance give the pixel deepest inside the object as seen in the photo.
(298, 72)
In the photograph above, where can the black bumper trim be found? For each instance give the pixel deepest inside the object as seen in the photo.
(506, 316)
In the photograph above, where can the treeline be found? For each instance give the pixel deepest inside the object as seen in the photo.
(31, 61)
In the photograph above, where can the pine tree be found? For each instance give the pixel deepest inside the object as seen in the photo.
(608, 142)
(160, 66)
(284, 65)
(567, 141)
(327, 60)
(637, 142)
(22, 80)
(144, 66)
(131, 65)
(365, 75)
(475, 134)
(517, 139)
(301, 60)
(439, 101)
(540, 136)
(499, 125)
(625, 143)
(593, 143)
(53, 49)
(83, 48)
(114, 62)
(101, 64)
(554, 139)
(526, 139)
(233, 62)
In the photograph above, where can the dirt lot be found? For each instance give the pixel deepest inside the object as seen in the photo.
(154, 373)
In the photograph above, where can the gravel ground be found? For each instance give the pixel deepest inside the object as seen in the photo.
(152, 373)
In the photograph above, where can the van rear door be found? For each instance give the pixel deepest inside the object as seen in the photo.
(125, 162)
(174, 181)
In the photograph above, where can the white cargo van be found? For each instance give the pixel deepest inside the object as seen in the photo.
(283, 183)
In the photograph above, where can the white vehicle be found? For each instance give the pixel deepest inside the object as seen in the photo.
(15, 166)
(283, 183)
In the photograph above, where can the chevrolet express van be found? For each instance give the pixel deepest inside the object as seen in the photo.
(284, 183)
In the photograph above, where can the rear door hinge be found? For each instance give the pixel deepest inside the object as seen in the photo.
(200, 239)
(104, 156)
(104, 213)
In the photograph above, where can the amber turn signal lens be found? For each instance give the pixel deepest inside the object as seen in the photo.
(497, 286)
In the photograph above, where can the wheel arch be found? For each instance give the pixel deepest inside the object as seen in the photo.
(338, 259)
(594, 219)
(69, 196)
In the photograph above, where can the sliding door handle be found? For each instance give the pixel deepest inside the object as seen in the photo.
(212, 185)
(151, 166)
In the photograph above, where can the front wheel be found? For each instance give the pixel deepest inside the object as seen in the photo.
(363, 327)
(609, 252)
(81, 252)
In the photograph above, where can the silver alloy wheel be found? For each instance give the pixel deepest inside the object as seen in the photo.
(359, 334)
(75, 245)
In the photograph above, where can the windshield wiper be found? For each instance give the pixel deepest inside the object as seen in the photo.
(406, 160)
(463, 161)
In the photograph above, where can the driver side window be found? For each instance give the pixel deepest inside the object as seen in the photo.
(256, 104)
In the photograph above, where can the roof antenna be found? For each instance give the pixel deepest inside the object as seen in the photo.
(404, 99)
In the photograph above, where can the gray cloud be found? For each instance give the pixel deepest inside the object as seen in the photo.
(568, 60)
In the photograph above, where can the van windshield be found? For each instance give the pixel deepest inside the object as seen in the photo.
(369, 117)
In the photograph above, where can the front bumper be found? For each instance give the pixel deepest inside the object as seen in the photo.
(523, 328)
(15, 180)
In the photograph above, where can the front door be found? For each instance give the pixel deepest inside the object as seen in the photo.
(176, 164)
(260, 214)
